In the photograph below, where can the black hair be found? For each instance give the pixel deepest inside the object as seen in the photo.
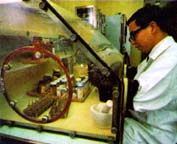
(146, 15)
(165, 17)
(170, 11)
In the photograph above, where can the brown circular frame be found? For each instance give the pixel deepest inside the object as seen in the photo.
(56, 59)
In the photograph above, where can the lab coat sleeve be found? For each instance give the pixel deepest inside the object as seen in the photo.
(156, 84)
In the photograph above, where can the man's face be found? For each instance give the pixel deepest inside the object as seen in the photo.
(140, 37)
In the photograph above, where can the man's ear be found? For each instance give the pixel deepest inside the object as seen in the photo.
(154, 27)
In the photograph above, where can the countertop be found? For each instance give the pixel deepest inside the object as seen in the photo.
(78, 121)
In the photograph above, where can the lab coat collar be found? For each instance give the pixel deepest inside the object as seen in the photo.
(161, 47)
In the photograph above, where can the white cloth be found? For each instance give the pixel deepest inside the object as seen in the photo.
(159, 78)
(155, 103)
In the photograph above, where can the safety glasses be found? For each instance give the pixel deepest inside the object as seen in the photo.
(133, 34)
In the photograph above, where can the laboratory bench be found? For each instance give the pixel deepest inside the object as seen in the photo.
(78, 126)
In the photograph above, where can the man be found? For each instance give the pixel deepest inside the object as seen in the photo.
(154, 114)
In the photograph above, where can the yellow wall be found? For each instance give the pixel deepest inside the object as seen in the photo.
(71, 4)
(113, 7)
(109, 7)
(126, 7)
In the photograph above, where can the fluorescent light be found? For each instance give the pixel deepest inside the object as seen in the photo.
(9, 1)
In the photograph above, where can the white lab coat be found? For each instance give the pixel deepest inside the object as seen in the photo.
(155, 104)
